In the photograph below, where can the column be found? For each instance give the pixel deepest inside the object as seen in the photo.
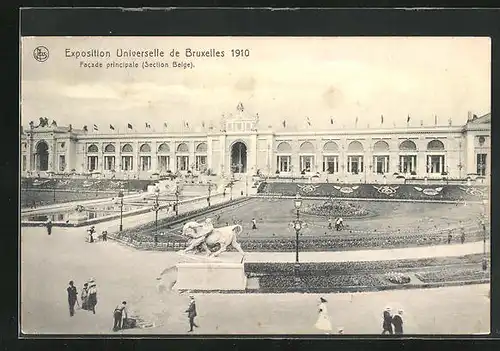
(412, 160)
(470, 161)
(360, 161)
(173, 157)
(84, 159)
(192, 157)
(154, 156)
(135, 162)
(218, 169)
(118, 158)
(349, 164)
(209, 153)
(252, 155)
(100, 159)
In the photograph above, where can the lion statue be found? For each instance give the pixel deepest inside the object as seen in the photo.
(205, 235)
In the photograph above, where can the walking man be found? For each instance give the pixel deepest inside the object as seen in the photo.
(449, 238)
(71, 298)
(49, 227)
(462, 237)
(329, 223)
(119, 314)
(387, 323)
(254, 224)
(191, 314)
(397, 321)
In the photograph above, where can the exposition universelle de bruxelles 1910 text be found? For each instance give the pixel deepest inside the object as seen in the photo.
(149, 58)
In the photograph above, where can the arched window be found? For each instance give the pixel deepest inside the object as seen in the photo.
(201, 148)
(127, 148)
(284, 147)
(307, 147)
(355, 146)
(435, 145)
(145, 148)
(331, 146)
(93, 148)
(407, 145)
(182, 147)
(380, 146)
(163, 149)
(109, 148)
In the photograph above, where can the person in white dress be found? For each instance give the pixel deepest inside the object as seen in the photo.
(323, 322)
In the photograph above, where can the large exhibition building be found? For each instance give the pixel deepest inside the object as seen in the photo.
(242, 145)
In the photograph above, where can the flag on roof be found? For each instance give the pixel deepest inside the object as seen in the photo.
(129, 126)
(148, 126)
(85, 129)
(381, 119)
(96, 127)
(111, 127)
(408, 119)
(331, 120)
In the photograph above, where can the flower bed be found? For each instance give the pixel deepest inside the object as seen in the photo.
(336, 209)
(276, 283)
(346, 268)
(453, 274)
(451, 192)
(397, 278)
(89, 184)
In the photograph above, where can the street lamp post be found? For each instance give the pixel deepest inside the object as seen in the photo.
(209, 192)
(231, 187)
(297, 224)
(156, 208)
(483, 224)
(177, 200)
(120, 195)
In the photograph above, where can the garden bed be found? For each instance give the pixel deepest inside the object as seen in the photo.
(365, 276)
(453, 274)
(329, 268)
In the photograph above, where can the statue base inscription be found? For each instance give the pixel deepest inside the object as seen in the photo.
(210, 276)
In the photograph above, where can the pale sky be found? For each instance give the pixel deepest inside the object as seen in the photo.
(283, 79)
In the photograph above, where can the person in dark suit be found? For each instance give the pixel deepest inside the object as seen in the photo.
(49, 227)
(191, 311)
(71, 298)
(397, 321)
(387, 323)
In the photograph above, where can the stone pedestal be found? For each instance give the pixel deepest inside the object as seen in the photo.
(77, 218)
(211, 276)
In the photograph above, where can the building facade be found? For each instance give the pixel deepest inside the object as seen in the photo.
(241, 146)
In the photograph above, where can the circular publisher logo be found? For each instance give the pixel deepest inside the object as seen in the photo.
(41, 53)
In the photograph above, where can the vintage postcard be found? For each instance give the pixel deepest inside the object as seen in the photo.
(255, 185)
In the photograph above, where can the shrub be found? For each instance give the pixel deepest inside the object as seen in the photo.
(397, 278)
